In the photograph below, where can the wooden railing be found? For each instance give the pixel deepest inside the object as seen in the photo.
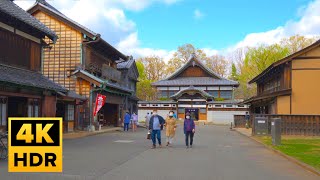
(308, 125)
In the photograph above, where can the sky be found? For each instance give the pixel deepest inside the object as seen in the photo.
(157, 27)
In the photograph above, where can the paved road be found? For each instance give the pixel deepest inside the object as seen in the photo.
(218, 154)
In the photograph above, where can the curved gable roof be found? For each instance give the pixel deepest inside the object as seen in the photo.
(174, 80)
(193, 58)
(192, 88)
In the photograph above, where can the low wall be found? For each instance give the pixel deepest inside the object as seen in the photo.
(223, 117)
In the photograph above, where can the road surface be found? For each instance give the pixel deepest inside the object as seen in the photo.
(218, 154)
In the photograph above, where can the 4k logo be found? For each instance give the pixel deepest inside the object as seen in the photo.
(35, 145)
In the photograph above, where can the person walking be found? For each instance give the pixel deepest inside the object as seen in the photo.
(247, 118)
(189, 129)
(155, 126)
(134, 121)
(170, 127)
(148, 116)
(126, 122)
(174, 115)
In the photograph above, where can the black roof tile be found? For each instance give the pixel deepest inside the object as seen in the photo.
(195, 81)
(13, 10)
(27, 78)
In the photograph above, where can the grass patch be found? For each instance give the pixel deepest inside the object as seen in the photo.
(305, 149)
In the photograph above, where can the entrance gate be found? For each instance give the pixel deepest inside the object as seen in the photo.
(194, 113)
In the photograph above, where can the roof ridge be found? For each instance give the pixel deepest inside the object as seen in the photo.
(57, 12)
(44, 2)
(12, 9)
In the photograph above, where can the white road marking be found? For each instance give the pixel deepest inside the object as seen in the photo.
(123, 141)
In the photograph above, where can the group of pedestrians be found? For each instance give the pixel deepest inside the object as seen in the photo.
(133, 119)
(156, 124)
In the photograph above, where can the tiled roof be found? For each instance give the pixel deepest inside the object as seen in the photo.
(157, 102)
(74, 95)
(47, 6)
(195, 81)
(13, 10)
(24, 77)
(126, 64)
(192, 88)
(109, 84)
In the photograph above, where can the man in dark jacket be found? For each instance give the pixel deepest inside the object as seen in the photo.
(155, 126)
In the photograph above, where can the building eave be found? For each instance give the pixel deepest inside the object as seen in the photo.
(284, 60)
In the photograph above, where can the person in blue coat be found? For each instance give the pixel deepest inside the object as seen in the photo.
(155, 126)
(126, 122)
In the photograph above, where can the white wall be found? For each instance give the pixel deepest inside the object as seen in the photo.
(142, 113)
(223, 117)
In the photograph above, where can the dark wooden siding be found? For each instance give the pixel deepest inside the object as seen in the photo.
(194, 72)
(276, 80)
(94, 61)
(18, 51)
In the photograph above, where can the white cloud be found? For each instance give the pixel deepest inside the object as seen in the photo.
(119, 19)
(112, 23)
(209, 51)
(197, 14)
(307, 25)
(131, 45)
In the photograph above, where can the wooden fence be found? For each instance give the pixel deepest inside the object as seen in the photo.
(308, 125)
(239, 121)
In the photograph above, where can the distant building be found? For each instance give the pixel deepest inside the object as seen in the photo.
(85, 64)
(129, 79)
(290, 85)
(195, 88)
(24, 91)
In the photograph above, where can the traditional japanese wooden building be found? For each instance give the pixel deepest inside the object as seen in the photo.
(129, 79)
(194, 88)
(85, 64)
(289, 86)
(24, 91)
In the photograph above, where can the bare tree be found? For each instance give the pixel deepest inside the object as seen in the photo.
(218, 64)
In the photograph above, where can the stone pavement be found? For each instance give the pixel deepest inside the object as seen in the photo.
(218, 154)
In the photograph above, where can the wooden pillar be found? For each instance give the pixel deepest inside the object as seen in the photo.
(49, 105)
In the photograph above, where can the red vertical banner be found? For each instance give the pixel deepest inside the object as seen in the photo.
(100, 101)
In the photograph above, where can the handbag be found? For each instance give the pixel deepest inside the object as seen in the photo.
(149, 135)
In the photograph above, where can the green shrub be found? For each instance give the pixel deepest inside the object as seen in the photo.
(219, 99)
(164, 99)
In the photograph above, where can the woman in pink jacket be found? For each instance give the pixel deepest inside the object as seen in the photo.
(134, 119)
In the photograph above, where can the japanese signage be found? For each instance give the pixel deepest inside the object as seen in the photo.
(100, 101)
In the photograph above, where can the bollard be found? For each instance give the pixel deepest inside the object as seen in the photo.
(276, 131)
